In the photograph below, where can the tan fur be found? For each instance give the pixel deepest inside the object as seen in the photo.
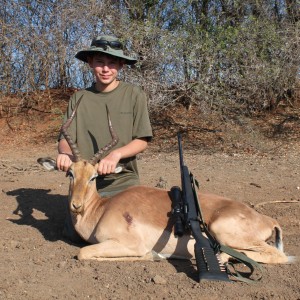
(138, 222)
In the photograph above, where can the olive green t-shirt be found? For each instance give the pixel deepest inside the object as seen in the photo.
(127, 105)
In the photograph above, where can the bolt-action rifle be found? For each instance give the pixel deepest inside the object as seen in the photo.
(188, 216)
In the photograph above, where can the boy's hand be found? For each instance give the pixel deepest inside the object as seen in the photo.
(108, 164)
(64, 161)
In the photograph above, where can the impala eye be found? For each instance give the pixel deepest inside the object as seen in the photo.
(94, 177)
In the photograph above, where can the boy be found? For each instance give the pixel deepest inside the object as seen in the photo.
(127, 105)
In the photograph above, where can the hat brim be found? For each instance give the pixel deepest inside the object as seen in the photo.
(83, 55)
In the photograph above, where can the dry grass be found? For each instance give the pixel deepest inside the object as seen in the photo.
(36, 118)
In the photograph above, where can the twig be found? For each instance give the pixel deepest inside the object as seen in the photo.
(278, 201)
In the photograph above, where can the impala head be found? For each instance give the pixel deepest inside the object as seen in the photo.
(82, 176)
(82, 173)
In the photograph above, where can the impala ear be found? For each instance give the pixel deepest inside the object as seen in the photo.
(48, 163)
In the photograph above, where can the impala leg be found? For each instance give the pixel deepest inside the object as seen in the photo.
(266, 254)
(224, 257)
(111, 250)
(262, 253)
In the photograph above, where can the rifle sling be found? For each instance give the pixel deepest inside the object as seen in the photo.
(250, 263)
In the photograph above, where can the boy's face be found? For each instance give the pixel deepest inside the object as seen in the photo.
(105, 68)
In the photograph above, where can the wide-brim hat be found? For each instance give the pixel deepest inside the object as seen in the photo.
(106, 44)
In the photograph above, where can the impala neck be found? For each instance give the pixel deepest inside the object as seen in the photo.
(86, 221)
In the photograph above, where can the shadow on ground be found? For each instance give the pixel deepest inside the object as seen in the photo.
(41, 210)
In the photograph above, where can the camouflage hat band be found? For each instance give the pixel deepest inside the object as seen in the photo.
(106, 44)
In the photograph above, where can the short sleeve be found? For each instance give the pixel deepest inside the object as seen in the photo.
(141, 123)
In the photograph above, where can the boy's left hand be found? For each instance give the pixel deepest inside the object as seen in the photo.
(108, 164)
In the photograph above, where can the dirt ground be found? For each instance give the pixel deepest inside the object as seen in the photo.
(38, 263)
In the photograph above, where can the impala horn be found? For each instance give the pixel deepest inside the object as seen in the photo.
(67, 136)
(74, 147)
(107, 147)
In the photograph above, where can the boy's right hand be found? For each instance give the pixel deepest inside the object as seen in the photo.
(64, 161)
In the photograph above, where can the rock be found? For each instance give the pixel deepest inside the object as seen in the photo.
(157, 279)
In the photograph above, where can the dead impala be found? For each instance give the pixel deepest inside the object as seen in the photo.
(137, 223)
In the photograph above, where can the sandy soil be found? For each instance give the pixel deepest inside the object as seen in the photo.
(38, 263)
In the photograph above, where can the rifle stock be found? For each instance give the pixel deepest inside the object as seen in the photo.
(206, 260)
